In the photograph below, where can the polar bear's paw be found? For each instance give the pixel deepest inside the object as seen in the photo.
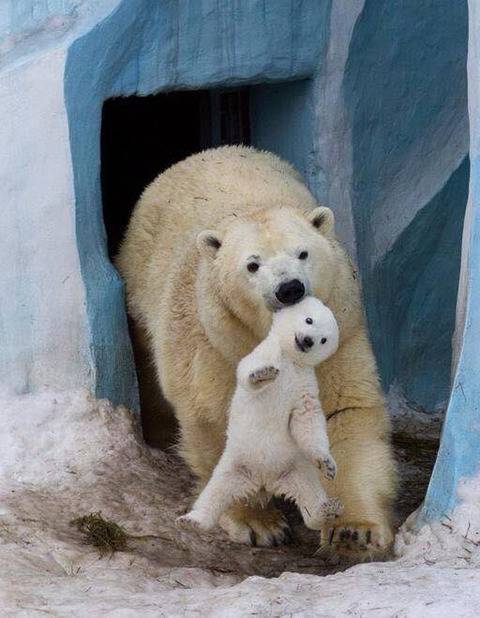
(256, 526)
(328, 467)
(261, 376)
(348, 541)
(193, 520)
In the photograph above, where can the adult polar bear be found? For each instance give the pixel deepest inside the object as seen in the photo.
(216, 243)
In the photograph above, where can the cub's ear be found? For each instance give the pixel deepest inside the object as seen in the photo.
(322, 218)
(209, 242)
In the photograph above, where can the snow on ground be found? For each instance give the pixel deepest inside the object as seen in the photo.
(64, 454)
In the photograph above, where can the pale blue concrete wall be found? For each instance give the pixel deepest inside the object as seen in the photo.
(406, 92)
(282, 120)
(459, 453)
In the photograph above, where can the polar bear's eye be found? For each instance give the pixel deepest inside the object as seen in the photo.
(252, 267)
(303, 255)
(309, 321)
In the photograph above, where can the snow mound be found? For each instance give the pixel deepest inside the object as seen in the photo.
(65, 454)
(455, 540)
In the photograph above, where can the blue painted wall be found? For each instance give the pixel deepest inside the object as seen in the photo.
(413, 295)
(19, 16)
(143, 48)
(459, 453)
(405, 89)
(282, 120)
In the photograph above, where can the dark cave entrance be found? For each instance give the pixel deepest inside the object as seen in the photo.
(141, 137)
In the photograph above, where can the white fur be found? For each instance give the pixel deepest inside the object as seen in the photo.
(276, 437)
(198, 311)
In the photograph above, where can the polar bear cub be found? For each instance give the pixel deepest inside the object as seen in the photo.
(276, 436)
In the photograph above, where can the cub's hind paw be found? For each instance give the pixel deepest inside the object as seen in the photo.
(332, 508)
(263, 375)
(191, 521)
(328, 467)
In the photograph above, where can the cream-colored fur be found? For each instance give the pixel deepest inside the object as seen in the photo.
(277, 433)
(184, 260)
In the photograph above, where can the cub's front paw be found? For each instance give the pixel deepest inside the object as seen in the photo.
(261, 376)
(328, 467)
(193, 520)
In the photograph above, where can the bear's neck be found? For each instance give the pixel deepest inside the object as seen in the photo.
(251, 318)
(233, 332)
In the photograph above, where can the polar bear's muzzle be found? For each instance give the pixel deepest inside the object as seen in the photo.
(304, 343)
(290, 292)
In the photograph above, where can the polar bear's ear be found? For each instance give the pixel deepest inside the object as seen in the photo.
(322, 218)
(209, 242)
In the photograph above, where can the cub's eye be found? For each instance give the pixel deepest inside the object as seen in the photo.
(309, 321)
(253, 267)
(303, 255)
(323, 340)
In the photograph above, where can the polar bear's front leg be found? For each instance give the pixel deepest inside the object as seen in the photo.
(260, 367)
(309, 430)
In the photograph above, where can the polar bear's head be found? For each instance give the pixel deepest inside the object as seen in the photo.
(271, 259)
(307, 332)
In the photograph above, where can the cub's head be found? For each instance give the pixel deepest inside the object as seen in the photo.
(269, 260)
(307, 332)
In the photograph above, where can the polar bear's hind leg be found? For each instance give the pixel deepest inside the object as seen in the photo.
(303, 486)
(226, 485)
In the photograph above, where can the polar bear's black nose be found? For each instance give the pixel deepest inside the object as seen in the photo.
(307, 342)
(290, 292)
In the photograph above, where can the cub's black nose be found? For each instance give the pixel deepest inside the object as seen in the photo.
(307, 342)
(290, 292)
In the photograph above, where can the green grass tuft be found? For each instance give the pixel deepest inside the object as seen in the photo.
(107, 536)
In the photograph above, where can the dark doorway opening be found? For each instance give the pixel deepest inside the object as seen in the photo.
(141, 137)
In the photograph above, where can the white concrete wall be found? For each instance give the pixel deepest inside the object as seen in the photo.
(42, 310)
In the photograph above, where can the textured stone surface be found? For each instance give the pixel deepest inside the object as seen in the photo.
(43, 327)
(405, 88)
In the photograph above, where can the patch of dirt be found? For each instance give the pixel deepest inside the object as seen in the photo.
(415, 458)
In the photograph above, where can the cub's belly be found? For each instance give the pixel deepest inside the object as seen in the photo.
(270, 462)
(271, 479)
